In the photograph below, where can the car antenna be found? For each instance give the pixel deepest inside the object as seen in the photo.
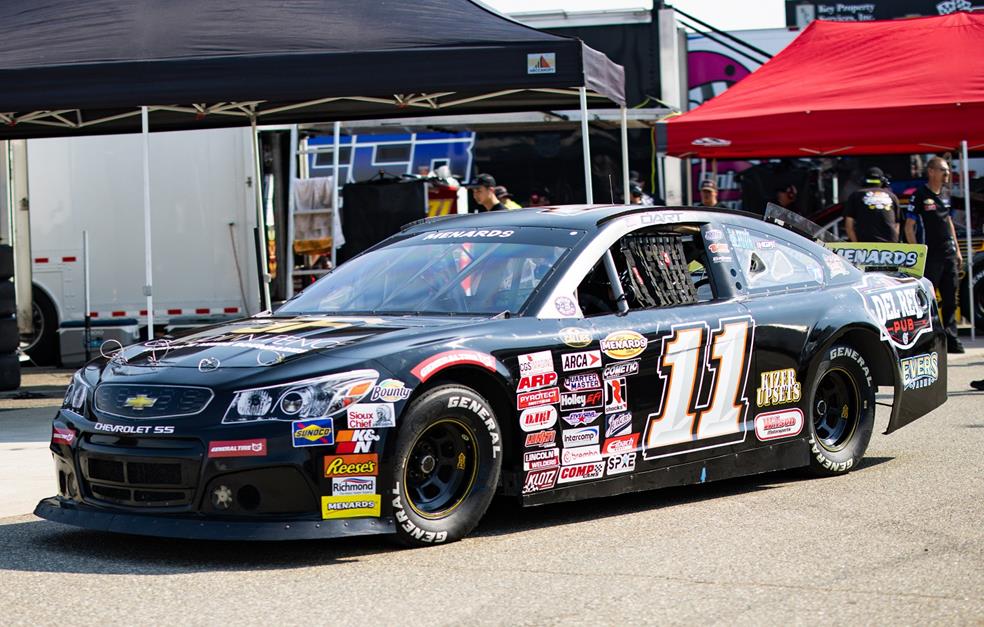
(611, 187)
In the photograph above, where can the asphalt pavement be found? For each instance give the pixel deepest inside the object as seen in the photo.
(900, 540)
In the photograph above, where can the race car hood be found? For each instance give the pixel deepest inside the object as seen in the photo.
(263, 342)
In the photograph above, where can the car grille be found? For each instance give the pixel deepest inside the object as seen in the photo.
(151, 401)
(136, 477)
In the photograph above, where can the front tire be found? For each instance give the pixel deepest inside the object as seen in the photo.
(841, 414)
(446, 466)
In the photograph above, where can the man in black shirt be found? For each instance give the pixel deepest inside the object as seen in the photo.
(943, 258)
(872, 212)
(483, 191)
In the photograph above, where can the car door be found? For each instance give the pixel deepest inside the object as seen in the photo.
(673, 369)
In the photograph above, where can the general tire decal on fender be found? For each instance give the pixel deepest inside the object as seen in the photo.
(691, 357)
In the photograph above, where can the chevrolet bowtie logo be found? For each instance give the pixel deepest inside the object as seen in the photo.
(139, 402)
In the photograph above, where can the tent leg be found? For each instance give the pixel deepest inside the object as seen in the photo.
(292, 177)
(586, 144)
(264, 268)
(965, 179)
(336, 148)
(625, 156)
(148, 256)
(688, 177)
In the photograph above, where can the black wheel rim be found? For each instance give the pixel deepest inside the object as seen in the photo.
(441, 468)
(836, 410)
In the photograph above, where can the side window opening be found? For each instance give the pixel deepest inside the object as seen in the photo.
(770, 263)
(655, 268)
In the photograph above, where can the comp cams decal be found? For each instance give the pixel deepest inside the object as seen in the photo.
(900, 308)
(693, 357)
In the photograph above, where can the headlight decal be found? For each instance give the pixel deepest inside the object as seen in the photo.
(309, 399)
(76, 395)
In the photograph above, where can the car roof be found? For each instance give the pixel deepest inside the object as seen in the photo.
(586, 217)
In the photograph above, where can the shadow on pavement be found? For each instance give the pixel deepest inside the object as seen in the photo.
(41, 546)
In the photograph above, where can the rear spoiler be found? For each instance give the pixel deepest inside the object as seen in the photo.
(797, 223)
(883, 257)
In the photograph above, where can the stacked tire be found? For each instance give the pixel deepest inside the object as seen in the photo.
(10, 376)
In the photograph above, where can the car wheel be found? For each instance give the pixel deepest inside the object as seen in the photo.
(446, 466)
(841, 412)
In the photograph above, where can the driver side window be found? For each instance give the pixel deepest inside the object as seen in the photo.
(655, 268)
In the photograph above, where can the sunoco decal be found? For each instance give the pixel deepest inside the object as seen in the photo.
(623, 344)
(317, 432)
(900, 308)
(920, 371)
(784, 423)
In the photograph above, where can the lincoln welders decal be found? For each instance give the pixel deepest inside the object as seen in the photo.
(900, 308)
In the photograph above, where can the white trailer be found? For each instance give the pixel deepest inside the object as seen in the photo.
(203, 216)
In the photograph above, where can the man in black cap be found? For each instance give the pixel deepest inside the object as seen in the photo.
(708, 194)
(871, 214)
(943, 258)
(483, 191)
(506, 198)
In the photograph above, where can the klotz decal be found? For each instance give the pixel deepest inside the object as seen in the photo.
(537, 418)
(920, 371)
(778, 387)
(900, 308)
(581, 361)
(540, 480)
(574, 337)
(623, 344)
(784, 423)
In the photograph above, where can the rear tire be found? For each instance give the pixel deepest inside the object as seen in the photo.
(446, 466)
(841, 413)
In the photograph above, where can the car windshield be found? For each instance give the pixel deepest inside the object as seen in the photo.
(473, 272)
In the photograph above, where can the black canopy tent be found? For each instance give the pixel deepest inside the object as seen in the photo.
(115, 66)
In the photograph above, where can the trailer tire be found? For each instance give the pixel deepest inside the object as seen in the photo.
(8, 298)
(6, 262)
(10, 374)
(42, 345)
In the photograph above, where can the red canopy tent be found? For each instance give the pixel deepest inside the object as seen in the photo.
(840, 88)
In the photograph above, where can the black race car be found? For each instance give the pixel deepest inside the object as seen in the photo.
(545, 354)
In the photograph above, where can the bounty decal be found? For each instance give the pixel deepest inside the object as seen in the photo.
(623, 344)
(900, 308)
(704, 374)
(784, 423)
(778, 387)
(574, 337)
(581, 361)
(318, 432)
(390, 391)
(920, 371)
(615, 396)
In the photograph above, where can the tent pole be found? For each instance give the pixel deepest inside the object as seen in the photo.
(625, 156)
(291, 209)
(148, 256)
(260, 216)
(965, 179)
(336, 148)
(586, 144)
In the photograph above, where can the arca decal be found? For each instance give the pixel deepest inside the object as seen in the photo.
(432, 365)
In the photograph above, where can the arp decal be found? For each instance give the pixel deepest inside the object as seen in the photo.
(623, 344)
(692, 357)
(581, 361)
(536, 381)
(432, 365)
(616, 396)
(575, 337)
(784, 423)
(543, 458)
(900, 308)
(538, 397)
(537, 418)
(778, 387)
(540, 480)
(352, 506)
(920, 371)
(317, 432)
(581, 472)
(535, 363)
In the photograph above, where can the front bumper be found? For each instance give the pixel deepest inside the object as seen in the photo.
(199, 528)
